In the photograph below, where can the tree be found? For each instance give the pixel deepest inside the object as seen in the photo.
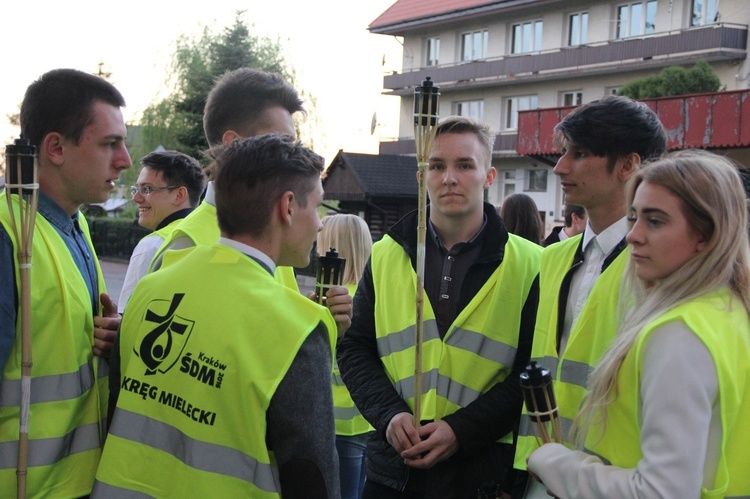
(674, 80)
(176, 121)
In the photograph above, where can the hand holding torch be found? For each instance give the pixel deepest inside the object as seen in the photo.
(426, 99)
(330, 272)
(22, 171)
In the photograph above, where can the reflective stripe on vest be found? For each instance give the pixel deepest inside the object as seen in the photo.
(199, 455)
(723, 326)
(479, 348)
(48, 451)
(589, 338)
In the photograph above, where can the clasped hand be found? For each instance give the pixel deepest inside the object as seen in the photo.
(423, 448)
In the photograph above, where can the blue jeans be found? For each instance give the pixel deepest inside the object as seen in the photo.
(352, 464)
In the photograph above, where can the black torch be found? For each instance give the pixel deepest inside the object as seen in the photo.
(329, 274)
(539, 396)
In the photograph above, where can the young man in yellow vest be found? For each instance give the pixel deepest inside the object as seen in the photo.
(226, 386)
(603, 143)
(480, 303)
(245, 103)
(74, 120)
(168, 188)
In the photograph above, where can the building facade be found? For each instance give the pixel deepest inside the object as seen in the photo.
(493, 59)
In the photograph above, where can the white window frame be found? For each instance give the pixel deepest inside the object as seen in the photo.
(526, 37)
(633, 18)
(476, 49)
(581, 20)
(432, 51)
(471, 109)
(571, 98)
(703, 12)
(515, 104)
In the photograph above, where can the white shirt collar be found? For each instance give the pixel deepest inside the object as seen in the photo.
(250, 251)
(609, 237)
(210, 194)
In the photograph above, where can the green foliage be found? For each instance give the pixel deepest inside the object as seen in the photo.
(176, 121)
(674, 80)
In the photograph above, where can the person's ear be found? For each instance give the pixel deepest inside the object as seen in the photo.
(491, 175)
(53, 146)
(417, 176)
(182, 195)
(285, 207)
(230, 136)
(628, 165)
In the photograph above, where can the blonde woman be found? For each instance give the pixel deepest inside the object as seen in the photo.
(351, 238)
(667, 410)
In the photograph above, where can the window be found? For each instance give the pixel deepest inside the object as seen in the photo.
(612, 90)
(634, 19)
(536, 180)
(573, 98)
(432, 51)
(578, 26)
(474, 45)
(527, 37)
(515, 104)
(508, 180)
(704, 12)
(471, 109)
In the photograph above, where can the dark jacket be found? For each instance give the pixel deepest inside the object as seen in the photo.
(477, 426)
(554, 236)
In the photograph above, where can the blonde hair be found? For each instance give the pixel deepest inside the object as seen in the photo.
(351, 238)
(713, 202)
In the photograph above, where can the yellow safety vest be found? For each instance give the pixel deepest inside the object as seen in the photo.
(349, 421)
(722, 324)
(205, 343)
(202, 228)
(590, 336)
(69, 385)
(480, 346)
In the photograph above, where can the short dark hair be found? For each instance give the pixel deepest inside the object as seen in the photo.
(239, 97)
(251, 176)
(62, 101)
(571, 209)
(614, 127)
(180, 170)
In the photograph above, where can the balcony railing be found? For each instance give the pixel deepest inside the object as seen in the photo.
(721, 41)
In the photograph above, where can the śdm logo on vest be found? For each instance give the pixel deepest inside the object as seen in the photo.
(161, 347)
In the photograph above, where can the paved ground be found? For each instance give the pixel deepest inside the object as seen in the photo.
(114, 275)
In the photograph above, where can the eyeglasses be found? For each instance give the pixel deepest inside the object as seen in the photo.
(145, 190)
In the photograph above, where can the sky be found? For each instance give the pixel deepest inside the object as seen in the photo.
(336, 59)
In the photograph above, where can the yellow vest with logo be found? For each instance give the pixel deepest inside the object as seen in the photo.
(205, 343)
(722, 324)
(202, 228)
(590, 336)
(349, 421)
(69, 387)
(478, 349)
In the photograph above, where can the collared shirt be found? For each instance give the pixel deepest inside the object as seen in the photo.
(70, 231)
(254, 253)
(596, 248)
(444, 274)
